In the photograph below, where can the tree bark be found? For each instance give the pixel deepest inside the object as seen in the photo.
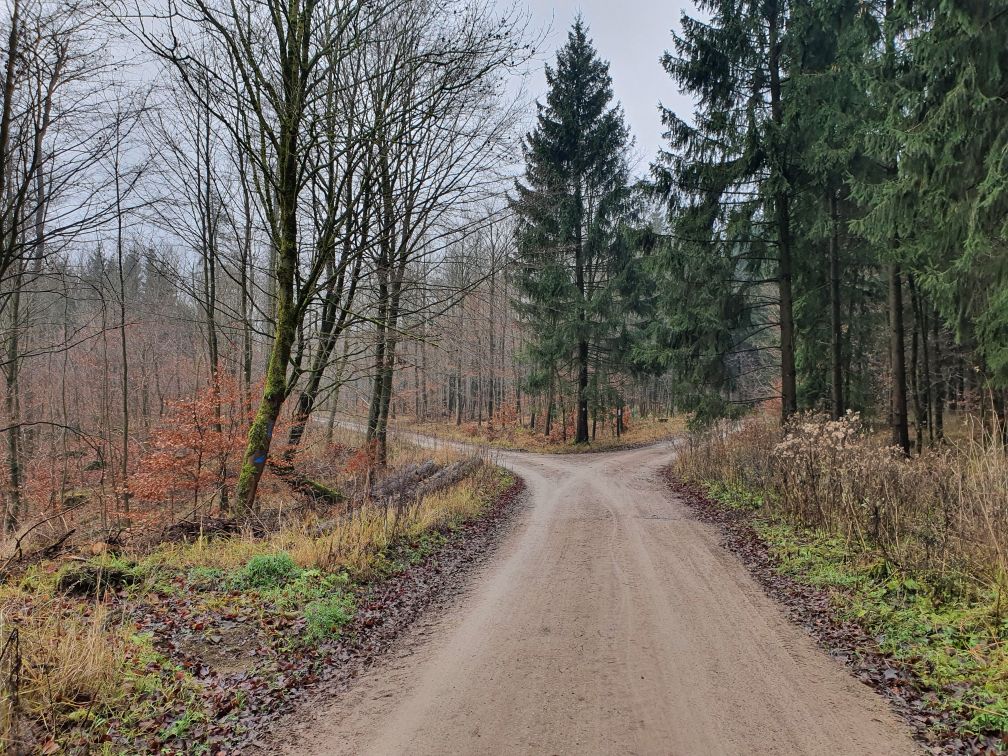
(938, 395)
(581, 431)
(897, 357)
(275, 389)
(789, 393)
(12, 515)
(836, 328)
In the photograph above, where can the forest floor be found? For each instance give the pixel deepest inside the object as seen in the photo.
(610, 620)
(197, 647)
(515, 437)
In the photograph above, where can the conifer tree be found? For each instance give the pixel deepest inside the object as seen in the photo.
(828, 45)
(571, 205)
(946, 118)
(728, 174)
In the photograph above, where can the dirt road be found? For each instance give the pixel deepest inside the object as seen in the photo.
(608, 622)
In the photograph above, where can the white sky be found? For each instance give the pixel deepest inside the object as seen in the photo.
(631, 35)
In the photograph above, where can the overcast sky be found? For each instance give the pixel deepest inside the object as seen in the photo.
(631, 35)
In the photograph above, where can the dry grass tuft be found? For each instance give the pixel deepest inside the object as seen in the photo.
(943, 512)
(352, 541)
(69, 663)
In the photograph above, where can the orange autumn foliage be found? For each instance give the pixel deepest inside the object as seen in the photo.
(194, 451)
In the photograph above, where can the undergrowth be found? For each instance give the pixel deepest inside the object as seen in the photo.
(912, 550)
(955, 642)
(118, 652)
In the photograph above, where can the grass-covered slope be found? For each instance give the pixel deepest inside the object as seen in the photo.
(192, 647)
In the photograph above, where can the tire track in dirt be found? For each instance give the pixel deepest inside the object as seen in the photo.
(608, 621)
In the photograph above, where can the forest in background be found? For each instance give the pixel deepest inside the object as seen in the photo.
(220, 227)
(242, 242)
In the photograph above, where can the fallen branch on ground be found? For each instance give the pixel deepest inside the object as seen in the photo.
(398, 484)
(312, 489)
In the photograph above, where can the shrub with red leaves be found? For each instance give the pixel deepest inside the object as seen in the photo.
(196, 449)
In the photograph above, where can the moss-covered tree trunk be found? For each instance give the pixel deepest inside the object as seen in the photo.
(285, 313)
(260, 433)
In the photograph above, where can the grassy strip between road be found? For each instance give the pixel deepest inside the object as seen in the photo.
(953, 640)
(176, 651)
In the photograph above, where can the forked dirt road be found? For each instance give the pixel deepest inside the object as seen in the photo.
(607, 622)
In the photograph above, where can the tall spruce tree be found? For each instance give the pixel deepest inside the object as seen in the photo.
(852, 156)
(944, 98)
(572, 255)
(828, 45)
(728, 178)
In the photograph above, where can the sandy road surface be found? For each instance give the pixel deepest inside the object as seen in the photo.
(608, 622)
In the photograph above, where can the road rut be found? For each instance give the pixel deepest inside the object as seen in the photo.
(609, 621)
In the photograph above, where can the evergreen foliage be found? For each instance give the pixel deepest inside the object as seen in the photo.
(575, 263)
(726, 180)
(837, 150)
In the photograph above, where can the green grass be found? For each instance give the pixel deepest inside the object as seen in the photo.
(736, 495)
(951, 632)
(307, 587)
(267, 571)
(325, 616)
(205, 578)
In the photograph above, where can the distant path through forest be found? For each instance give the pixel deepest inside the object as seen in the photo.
(608, 621)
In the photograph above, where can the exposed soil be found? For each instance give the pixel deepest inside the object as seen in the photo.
(610, 620)
(227, 647)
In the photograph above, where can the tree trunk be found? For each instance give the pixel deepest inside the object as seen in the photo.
(938, 394)
(563, 418)
(480, 388)
(329, 333)
(458, 389)
(260, 434)
(915, 389)
(12, 516)
(581, 432)
(836, 329)
(334, 398)
(789, 394)
(549, 411)
(900, 432)
(424, 408)
(919, 369)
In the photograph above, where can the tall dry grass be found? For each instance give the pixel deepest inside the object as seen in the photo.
(942, 512)
(351, 541)
(73, 656)
(63, 662)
